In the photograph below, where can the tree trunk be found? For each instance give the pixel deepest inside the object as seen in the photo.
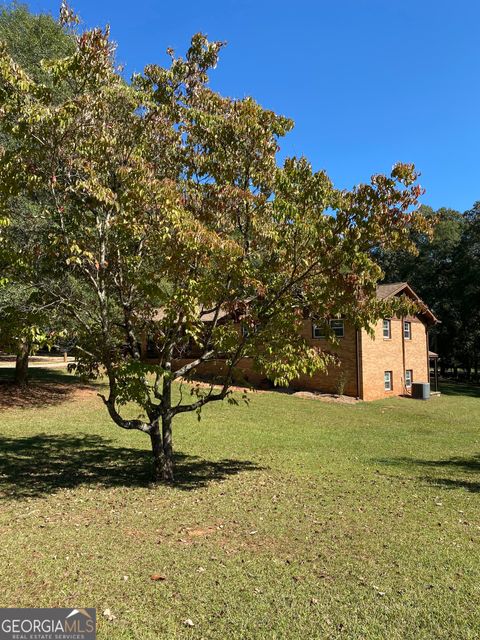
(156, 439)
(162, 451)
(167, 447)
(167, 458)
(21, 364)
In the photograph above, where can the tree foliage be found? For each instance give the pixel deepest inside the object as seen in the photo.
(445, 273)
(26, 322)
(163, 205)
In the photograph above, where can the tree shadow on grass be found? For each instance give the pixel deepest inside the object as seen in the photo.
(36, 396)
(46, 388)
(457, 467)
(460, 389)
(42, 464)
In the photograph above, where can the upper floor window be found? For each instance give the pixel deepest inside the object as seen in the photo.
(318, 331)
(337, 327)
(387, 329)
(407, 330)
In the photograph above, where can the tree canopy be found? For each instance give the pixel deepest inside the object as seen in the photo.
(163, 204)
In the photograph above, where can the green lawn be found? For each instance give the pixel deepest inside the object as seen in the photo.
(292, 518)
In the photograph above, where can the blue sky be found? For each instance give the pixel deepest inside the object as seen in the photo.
(367, 82)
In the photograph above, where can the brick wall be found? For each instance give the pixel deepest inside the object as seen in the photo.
(396, 355)
(346, 353)
(327, 382)
(416, 351)
(376, 356)
(244, 374)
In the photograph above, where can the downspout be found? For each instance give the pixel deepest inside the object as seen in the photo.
(428, 351)
(403, 355)
(358, 342)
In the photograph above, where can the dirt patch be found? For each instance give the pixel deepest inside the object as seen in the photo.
(40, 394)
(198, 533)
(326, 397)
(309, 395)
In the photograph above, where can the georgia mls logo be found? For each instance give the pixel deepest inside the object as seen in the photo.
(47, 624)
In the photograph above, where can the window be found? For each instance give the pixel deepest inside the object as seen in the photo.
(387, 329)
(407, 330)
(337, 327)
(318, 332)
(388, 380)
(408, 378)
(246, 330)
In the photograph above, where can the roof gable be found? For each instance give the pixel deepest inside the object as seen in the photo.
(385, 291)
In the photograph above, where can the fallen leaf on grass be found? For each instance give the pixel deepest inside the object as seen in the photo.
(109, 615)
(157, 577)
(380, 593)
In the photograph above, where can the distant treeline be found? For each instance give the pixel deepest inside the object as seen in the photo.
(446, 274)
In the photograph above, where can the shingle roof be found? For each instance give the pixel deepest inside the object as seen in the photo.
(387, 290)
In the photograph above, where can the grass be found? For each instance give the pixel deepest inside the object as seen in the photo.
(291, 518)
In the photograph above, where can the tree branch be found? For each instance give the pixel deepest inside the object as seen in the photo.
(192, 365)
(140, 425)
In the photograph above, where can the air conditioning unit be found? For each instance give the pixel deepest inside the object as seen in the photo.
(421, 390)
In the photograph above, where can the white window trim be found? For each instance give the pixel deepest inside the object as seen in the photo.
(323, 336)
(316, 327)
(387, 320)
(342, 326)
(407, 385)
(408, 324)
(390, 381)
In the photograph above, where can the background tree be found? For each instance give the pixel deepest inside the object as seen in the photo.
(24, 325)
(467, 298)
(27, 325)
(165, 214)
(445, 274)
(30, 38)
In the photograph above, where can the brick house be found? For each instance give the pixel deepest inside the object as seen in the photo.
(374, 368)
(368, 368)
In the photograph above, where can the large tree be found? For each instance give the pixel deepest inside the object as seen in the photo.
(165, 208)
